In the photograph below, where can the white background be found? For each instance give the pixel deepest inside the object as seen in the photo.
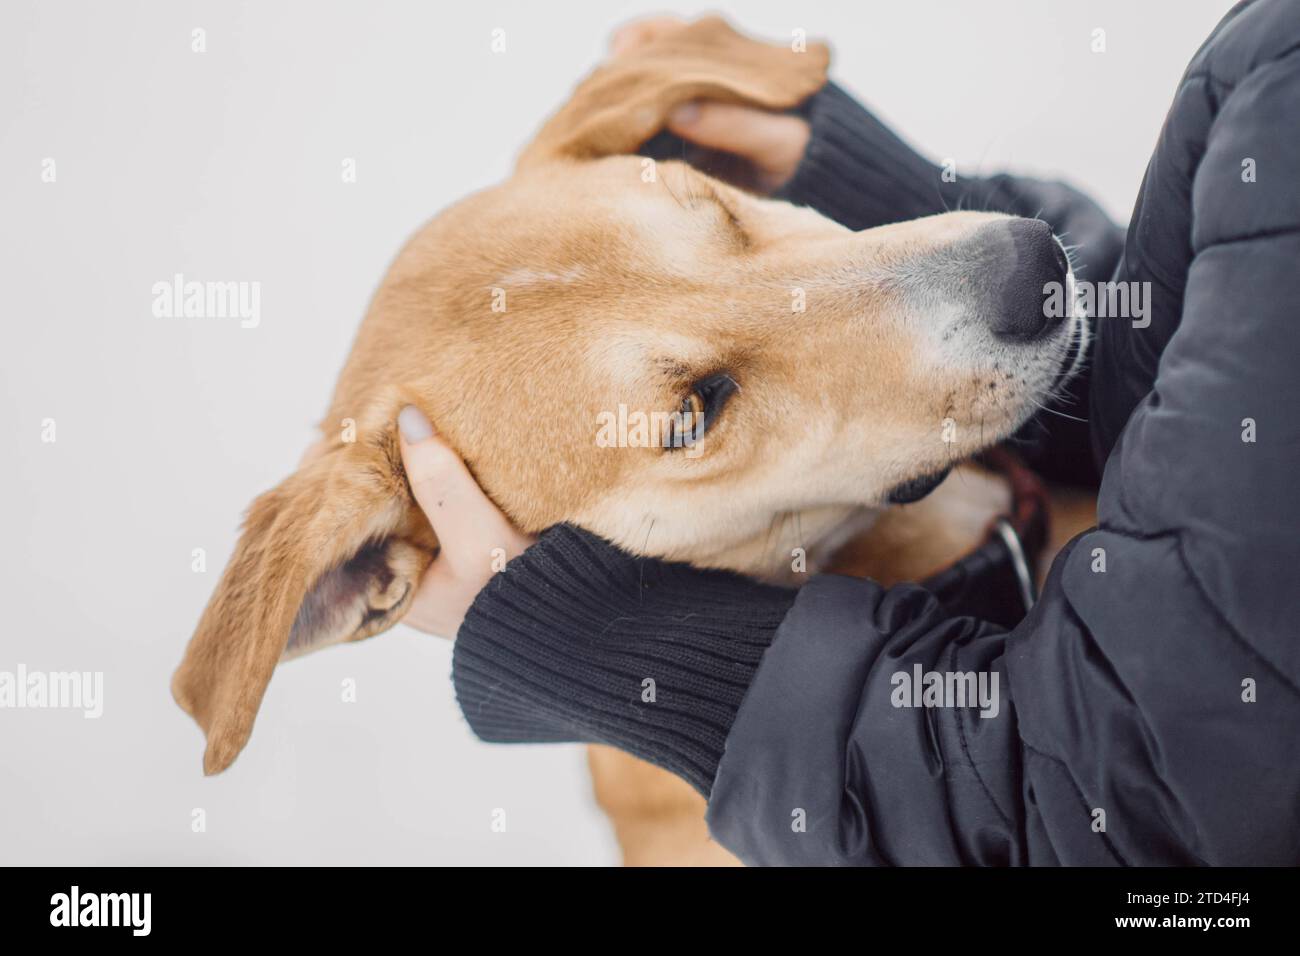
(226, 166)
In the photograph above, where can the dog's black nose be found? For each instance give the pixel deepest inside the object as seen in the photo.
(1033, 297)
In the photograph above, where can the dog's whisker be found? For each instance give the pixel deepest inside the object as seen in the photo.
(664, 180)
(1053, 411)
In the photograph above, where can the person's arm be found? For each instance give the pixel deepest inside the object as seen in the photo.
(579, 641)
(575, 640)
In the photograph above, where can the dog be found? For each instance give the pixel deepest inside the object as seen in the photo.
(594, 279)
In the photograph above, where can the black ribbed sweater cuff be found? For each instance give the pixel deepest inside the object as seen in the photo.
(858, 172)
(578, 641)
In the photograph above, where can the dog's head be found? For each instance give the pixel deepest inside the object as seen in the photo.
(642, 350)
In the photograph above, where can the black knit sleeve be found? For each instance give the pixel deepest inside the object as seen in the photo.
(578, 641)
(857, 171)
(860, 173)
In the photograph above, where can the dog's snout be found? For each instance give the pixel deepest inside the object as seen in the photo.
(1037, 267)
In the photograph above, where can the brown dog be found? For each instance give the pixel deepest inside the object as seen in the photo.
(823, 367)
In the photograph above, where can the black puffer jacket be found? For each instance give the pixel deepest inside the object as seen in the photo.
(1148, 710)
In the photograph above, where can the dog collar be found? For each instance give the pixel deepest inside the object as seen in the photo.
(995, 582)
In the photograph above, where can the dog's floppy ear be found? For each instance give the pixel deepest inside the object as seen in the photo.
(627, 100)
(331, 554)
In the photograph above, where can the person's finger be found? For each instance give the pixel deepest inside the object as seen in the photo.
(464, 518)
(440, 602)
(772, 141)
(640, 32)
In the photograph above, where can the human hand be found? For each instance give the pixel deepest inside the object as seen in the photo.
(772, 144)
(474, 537)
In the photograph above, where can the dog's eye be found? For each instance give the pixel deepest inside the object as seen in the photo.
(733, 223)
(698, 410)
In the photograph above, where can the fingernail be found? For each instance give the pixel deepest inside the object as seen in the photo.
(685, 115)
(415, 427)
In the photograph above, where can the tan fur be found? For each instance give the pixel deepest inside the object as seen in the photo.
(625, 289)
